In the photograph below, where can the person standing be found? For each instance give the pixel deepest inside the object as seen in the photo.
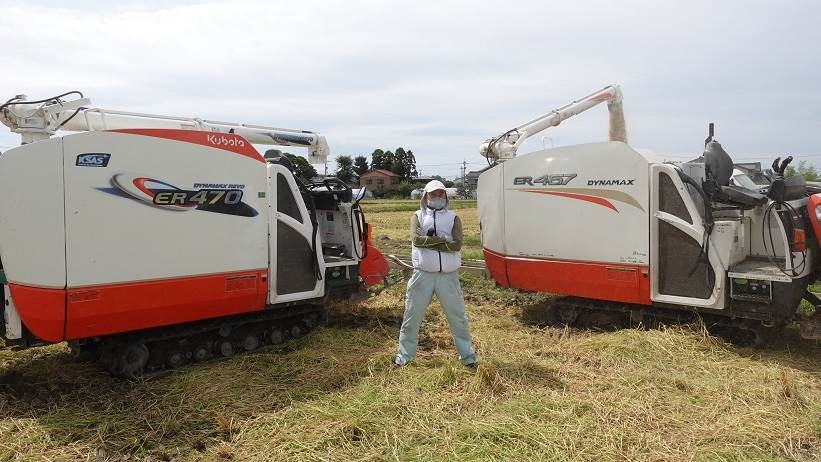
(436, 238)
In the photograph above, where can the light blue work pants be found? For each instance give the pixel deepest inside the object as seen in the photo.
(421, 287)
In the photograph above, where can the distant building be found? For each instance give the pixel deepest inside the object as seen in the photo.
(422, 180)
(453, 193)
(319, 178)
(379, 180)
(753, 170)
(472, 178)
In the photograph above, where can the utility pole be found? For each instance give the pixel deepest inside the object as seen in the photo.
(464, 167)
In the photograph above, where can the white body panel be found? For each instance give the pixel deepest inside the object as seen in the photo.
(14, 326)
(540, 217)
(780, 247)
(333, 228)
(161, 243)
(490, 195)
(32, 215)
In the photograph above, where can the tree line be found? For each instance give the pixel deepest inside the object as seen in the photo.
(401, 161)
(805, 169)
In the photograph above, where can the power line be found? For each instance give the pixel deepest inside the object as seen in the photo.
(444, 165)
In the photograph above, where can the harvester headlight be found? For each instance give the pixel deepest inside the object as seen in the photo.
(818, 213)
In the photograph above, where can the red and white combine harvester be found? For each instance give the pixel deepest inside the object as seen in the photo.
(615, 230)
(153, 241)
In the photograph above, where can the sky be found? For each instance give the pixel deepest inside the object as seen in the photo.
(438, 77)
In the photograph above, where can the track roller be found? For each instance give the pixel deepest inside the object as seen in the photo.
(130, 361)
(172, 347)
(276, 337)
(251, 342)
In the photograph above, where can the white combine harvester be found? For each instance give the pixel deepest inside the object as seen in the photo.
(616, 230)
(153, 241)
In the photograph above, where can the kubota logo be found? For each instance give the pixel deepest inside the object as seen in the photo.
(222, 140)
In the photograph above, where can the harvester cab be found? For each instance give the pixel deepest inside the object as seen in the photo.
(153, 241)
(620, 231)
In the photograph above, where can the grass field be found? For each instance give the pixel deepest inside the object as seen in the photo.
(541, 393)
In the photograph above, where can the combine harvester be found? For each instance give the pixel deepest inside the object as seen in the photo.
(152, 241)
(615, 231)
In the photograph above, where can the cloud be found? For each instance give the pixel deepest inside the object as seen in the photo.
(436, 77)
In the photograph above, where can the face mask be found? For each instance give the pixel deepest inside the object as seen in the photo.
(437, 203)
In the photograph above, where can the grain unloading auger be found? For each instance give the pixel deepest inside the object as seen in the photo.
(153, 241)
(615, 230)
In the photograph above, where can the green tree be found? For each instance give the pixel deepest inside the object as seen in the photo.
(377, 159)
(387, 160)
(408, 161)
(401, 162)
(463, 191)
(404, 189)
(344, 168)
(447, 183)
(302, 168)
(360, 165)
(805, 169)
(398, 164)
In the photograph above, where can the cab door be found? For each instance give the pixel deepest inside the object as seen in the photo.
(293, 265)
(679, 273)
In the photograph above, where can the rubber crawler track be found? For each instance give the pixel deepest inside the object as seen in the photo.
(586, 313)
(155, 351)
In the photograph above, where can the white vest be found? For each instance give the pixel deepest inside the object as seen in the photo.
(441, 221)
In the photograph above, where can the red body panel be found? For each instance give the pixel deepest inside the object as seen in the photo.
(373, 268)
(599, 281)
(225, 141)
(815, 200)
(116, 308)
(43, 311)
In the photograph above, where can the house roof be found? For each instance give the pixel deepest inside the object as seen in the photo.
(749, 166)
(381, 172)
(476, 173)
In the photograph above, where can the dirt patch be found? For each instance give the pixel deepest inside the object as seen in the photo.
(35, 392)
(363, 320)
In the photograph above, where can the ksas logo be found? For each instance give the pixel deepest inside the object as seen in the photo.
(93, 159)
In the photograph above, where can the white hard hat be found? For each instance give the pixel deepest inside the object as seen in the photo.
(434, 185)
